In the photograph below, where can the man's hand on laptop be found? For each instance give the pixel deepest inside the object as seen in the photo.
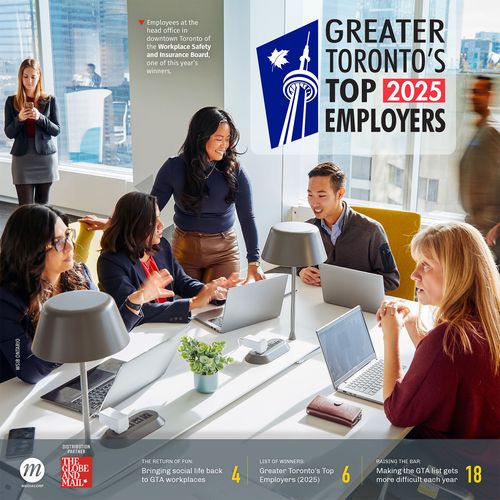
(310, 276)
(214, 290)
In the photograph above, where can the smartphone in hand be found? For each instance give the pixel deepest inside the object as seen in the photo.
(20, 442)
(29, 105)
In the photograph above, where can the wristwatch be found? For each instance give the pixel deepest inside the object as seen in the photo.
(255, 263)
(134, 307)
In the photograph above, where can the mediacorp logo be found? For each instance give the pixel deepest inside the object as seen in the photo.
(289, 75)
(32, 470)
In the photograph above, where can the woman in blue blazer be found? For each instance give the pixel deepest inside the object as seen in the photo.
(36, 263)
(31, 119)
(133, 247)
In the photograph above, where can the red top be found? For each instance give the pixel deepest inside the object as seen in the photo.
(29, 124)
(445, 398)
(149, 267)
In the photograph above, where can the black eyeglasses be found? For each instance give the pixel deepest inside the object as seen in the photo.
(59, 244)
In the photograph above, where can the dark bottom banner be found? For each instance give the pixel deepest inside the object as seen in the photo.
(254, 469)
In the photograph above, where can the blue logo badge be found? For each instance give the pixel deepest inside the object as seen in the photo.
(289, 74)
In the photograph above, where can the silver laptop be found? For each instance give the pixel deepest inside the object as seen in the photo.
(114, 380)
(247, 305)
(350, 357)
(348, 287)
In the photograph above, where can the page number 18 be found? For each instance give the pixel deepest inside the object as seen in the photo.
(474, 474)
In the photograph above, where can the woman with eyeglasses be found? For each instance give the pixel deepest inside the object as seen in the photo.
(132, 247)
(31, 119)
(36, 263)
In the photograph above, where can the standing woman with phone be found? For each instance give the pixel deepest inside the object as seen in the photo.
(31, 120)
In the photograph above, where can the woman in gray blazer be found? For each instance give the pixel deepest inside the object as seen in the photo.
(31, 120)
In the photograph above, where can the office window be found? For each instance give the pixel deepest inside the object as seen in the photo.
(360, 194)
(432, 190)
(362, 167)
(385, 174)
(90, 62)
(422, 187)
(471, 48)
(396, 175)
(428, 189)
(18, 33)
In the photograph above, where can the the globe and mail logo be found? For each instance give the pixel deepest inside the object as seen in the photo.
(32, 470)
(289, 75)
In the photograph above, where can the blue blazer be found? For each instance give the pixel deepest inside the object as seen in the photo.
(17, 331)
(120, 276)
(47, 127)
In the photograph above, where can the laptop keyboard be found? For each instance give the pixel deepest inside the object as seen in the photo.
(370, 381)
(96, 396)
(217, 321)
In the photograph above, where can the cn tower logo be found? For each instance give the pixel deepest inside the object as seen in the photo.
(289, 74)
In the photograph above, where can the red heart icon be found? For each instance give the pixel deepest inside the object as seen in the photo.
(141, 21)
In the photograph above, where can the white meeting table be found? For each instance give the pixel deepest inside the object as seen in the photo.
(252, 402)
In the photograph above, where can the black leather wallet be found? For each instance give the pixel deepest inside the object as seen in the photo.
(335, 411)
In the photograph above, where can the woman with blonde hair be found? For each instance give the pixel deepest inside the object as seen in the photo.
(452, 385)
(31, 119)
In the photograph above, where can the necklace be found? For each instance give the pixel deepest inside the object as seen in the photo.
(211, 171)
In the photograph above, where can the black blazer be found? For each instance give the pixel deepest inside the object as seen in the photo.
(119, 276)
(47, 127)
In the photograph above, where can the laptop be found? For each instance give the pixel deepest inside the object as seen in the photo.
(349, 287)
(115, 380)
(350, 357)
(247, 305)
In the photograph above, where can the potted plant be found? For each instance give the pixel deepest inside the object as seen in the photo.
(205, 361)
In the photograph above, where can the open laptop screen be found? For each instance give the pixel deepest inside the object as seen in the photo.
(346, 345)
(95, 376)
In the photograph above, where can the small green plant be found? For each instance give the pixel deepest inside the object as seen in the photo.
(203, 359)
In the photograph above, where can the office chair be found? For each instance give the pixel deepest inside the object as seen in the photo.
(400, 227)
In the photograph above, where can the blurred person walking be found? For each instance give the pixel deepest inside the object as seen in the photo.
(480, 166)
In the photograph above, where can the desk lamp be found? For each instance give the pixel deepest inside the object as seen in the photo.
(79, 326)
(294, 244)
